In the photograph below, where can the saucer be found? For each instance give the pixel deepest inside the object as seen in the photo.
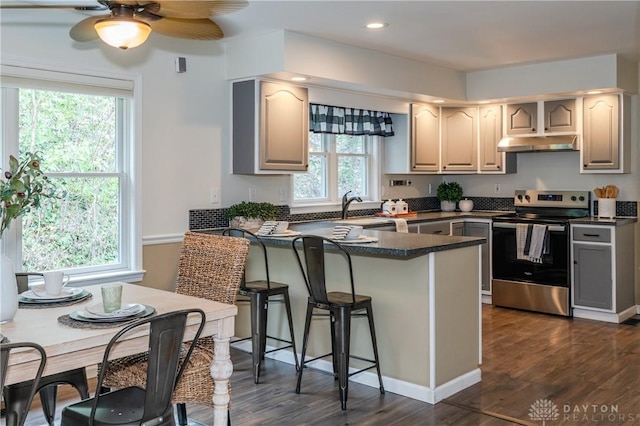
(83, 316)
(97, 311)
(66, 293)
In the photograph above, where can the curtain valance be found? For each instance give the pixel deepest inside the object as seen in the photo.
(349, 121)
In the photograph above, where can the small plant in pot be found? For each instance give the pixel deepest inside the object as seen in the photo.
(249, 214)
(449, 193)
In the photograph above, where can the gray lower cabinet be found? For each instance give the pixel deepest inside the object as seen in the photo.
(592, 284)
(481, 229)
(603, 285)
(457, 228)
(436, 228)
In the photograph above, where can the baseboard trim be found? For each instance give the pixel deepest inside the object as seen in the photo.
(605, 316)
(368, 378)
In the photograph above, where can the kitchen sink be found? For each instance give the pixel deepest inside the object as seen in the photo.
(364, 221)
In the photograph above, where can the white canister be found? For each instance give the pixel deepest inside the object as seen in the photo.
(606, 207)
(465, 205)
(389, 207)
(402, 207)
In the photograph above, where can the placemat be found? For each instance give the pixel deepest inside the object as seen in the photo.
(68, 321)
(54, 304)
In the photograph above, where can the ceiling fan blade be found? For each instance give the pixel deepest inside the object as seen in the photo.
(51, 6)
(84, 30)
(194, 9)
(193, 29)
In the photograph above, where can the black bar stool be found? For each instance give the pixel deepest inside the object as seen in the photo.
(260, 293)
(341, 306)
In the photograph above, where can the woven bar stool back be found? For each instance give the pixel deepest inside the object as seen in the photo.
(210, 267)
(342, 306)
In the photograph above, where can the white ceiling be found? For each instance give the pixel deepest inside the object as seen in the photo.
(463, 35)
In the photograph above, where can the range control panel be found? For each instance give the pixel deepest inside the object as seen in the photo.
(548, 198)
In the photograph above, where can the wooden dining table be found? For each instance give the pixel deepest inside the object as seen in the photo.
(69, 348)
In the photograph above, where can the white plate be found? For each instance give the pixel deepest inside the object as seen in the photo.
(66, 293)
(360, 240)
(97, 311)
(286, 233)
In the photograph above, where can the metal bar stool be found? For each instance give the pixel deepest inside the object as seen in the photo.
(341, 306)
(260, 294)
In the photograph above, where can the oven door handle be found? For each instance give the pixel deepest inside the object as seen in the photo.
(550, 228)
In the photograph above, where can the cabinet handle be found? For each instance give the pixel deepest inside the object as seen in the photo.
(591, 235)
(444, 167)
(585, 166)
(437, 232)
(546, 128)
(497, 167)
(533, 130)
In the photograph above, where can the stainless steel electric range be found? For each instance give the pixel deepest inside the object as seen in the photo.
(531, 252)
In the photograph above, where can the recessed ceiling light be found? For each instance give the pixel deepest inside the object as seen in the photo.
(376, 25)
(438, 101)
(298, 78)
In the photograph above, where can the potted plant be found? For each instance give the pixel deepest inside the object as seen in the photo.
(449, 193)
(21, 188)
(249, 214)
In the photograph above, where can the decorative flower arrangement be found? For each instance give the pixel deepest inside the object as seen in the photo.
(22, 187)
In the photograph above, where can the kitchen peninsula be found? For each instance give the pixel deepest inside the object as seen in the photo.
(426, 304)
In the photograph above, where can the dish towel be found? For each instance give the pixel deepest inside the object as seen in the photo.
(522, 230)
(538, 235)
(401, 225)
(340, 232)
(267, 228)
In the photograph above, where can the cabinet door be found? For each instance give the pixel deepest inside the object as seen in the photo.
(490, 133)
(425, 138)
(600, 149)
(522, 118)
(477, 229)
(592, 286)
(439, 228)
(459, 139)
(284, 127)
(457, 229)
(560, 116)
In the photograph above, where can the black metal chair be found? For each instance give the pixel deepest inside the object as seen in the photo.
(17, 395)
(341, 306)
(260, 294)
(16, 414)
(135, 405)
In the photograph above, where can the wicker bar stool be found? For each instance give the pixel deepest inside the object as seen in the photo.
(260, 294)
(210, 267)
(341, 306)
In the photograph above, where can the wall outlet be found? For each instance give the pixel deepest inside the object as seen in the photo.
(430, 189)
(496, 188)
(283, 195)
(215, 195)
(252, 194)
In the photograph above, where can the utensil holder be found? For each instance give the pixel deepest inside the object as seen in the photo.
(606, 207)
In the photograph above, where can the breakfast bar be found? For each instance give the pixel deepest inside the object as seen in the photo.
(426, 303)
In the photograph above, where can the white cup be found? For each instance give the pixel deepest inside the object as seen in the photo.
(281, 227)
(54, 281)
(354, 232)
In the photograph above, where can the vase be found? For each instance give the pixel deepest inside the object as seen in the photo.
(447, 206)
(250, 224)
(8, 288)
(465, 205)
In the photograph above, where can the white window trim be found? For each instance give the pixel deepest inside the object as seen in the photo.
(375, 188)
(131, 161)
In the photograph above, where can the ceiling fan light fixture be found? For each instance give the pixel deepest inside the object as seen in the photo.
(122, 33)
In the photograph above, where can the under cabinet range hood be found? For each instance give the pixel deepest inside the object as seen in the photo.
(538, 143)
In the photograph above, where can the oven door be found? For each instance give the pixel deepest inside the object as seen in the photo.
(554, 269)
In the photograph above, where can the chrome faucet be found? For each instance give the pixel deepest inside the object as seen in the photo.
(345, 203)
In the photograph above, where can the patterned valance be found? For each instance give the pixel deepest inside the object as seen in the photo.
(349, 121)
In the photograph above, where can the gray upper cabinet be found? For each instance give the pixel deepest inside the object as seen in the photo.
(425, 138)
(560, 116)
(606, 136)
(459, 139)
(489, 134)
(278, 140)
(522, 119)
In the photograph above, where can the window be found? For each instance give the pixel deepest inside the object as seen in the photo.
(337, 163)
(85, 136)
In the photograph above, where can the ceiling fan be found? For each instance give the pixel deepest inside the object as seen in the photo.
(130, 22)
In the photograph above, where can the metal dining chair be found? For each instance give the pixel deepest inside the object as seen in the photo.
(17, 395)
(150, 404)
(16, 414)
(260, 294)
(341, 306)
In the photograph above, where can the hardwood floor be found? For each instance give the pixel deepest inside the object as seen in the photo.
(589, 370)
